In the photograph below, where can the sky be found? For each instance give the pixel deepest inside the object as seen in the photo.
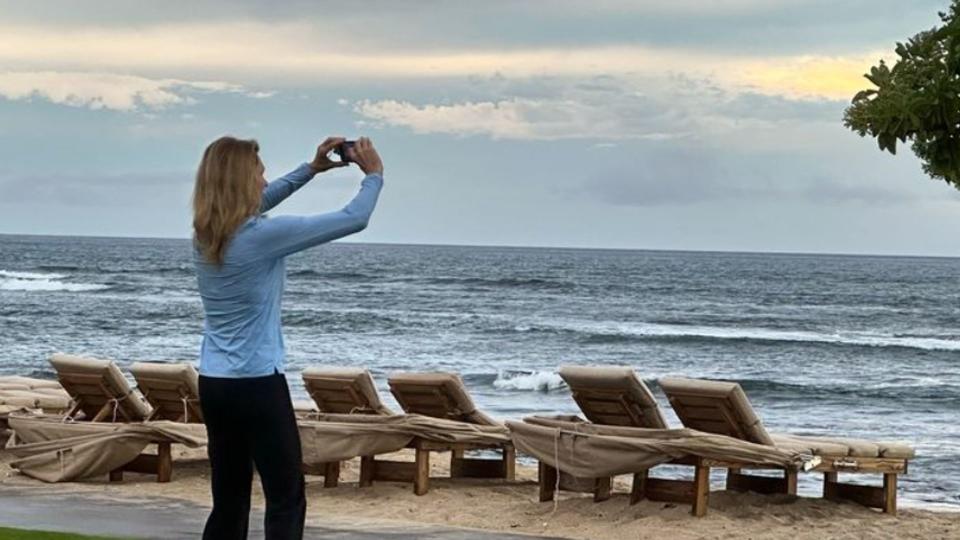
(674, 124)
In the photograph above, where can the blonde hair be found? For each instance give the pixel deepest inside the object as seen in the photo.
(226, 194)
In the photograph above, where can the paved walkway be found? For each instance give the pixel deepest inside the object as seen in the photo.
(171, 519)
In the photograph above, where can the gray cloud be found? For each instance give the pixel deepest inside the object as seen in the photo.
(749, 26)
(602, 107)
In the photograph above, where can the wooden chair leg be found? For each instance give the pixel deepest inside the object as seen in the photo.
(368, 466)
(102, 413)
(830, 486)
(639, 490)
(421, 480)
(731, 475)
(601, 491)
(164, 462)
(509, 463)
(790, 481)
(701, 490)
(547, 481)
(890, 493)
(456, 463)
(331, 474)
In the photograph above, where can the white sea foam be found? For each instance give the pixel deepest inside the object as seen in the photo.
(540, 381)
(34, 281)
(760, 334)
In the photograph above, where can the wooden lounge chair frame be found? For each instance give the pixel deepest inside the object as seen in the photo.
(429, 399)
(720, 415)
(159, 464)
(614, 405)
(108, 412)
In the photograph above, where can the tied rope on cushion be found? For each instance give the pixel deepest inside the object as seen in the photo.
(116, 403)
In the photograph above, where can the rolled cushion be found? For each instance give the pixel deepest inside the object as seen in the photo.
(617, 379)
(28, 382)
(842, 446)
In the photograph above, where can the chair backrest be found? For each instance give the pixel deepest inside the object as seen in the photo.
(172, 389)
(613, 396)
(343, 391)
(715, 407)
(99, 389)
(440, 395)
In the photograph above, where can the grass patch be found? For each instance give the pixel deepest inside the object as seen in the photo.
(26, 534)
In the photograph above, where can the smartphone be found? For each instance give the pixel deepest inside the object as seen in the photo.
(341, 150)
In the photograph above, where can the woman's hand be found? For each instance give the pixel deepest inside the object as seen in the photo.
(322, 162)
(366, 156)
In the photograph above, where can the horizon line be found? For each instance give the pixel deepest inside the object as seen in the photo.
(516, 246)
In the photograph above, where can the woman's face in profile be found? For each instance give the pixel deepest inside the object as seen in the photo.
(260, 170)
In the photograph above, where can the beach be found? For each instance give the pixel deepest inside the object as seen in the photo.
(822, 345)
(513, 508)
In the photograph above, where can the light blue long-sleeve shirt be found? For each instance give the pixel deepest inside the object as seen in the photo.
(241, 299)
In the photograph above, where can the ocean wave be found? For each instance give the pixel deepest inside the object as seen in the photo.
(493, 283)
(330, 275)
(35, 281)
(611, 332)
(900, 391)
(539, 381)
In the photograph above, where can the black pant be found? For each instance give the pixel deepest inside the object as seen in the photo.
(250, 422)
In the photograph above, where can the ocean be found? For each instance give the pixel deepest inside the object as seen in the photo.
(840, 345)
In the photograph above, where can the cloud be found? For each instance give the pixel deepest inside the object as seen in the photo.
(603, 107)
(515, 119)
(252, 51)
(109, 90)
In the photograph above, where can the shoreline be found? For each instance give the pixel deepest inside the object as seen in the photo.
(494, 506)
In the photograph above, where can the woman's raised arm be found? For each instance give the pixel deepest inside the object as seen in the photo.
(283, 187)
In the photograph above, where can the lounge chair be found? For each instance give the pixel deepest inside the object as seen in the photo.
(723, 408)
(343, 391)
(607, 396)
(171, 389)
(99, 390)
(101, 394)
(439, 395)
(615, 396)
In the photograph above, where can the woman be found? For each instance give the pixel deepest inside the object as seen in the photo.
(239, 256)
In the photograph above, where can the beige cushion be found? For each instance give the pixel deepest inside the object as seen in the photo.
(171, 388)
(94, 383)
(715, 407)
(613, 395)
(343, 391)
(841, 446)
(440, 395)
(19, 398)
(28, 383)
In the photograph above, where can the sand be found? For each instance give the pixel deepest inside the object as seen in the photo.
(492, 505)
